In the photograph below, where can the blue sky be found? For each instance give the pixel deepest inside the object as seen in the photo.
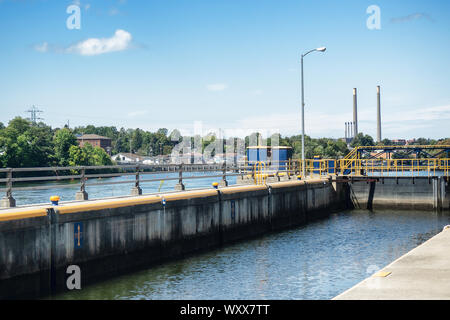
(228, 64)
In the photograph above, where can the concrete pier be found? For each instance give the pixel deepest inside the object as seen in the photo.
(421, 274)
(408, 193)
(113, 236)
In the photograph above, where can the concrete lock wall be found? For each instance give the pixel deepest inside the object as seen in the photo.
(107, 237)
(412, 193)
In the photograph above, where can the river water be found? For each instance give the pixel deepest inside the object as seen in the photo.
(316, 261)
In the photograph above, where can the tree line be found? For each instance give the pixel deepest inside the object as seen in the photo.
(27, 144)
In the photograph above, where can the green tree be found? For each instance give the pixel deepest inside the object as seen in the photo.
(385, 142)
(23, 144)
(78, 156)
(62, 141)
(122, 143)
(137, 139)
(88, 156)
(362, 140)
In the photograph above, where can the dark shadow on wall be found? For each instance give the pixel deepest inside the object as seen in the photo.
(371, 194)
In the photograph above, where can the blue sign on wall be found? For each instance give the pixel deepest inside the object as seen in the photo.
(78, 234)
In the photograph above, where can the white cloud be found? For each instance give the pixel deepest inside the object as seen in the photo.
(41, 47)
(217, 87)
(118, 42)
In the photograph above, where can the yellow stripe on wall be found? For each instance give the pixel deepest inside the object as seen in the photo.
(189, 195)
(83, 207)
(285, 184)
(41, 212)
(232, 190)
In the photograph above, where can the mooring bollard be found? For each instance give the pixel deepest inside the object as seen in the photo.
(180, 185)
(224, 182)
(82, 194)
(8, 201)
(136, 190)
(54, 200)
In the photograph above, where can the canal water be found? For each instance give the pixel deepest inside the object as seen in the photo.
(317, 261)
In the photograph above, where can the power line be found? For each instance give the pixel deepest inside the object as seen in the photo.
(34, 114)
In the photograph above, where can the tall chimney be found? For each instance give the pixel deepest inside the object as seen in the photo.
(351, 130)
(355, 113)
(378, 115)
(346, 132)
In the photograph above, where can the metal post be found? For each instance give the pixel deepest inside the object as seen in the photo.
(378, 115)
(8, 201)
(355, 113)
(136, 191)
(303, 124)
(346, 137)
(180, 185)
(322, 49)
(82, 194)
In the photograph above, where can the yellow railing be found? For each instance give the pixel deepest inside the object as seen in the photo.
(395, 167)
(355, 167)
(260, 175)
(260, 170)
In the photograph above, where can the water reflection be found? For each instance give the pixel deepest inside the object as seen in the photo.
(317, 261)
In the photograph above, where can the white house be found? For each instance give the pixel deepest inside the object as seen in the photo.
(127, 158)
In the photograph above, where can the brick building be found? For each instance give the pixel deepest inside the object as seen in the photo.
(96, 141)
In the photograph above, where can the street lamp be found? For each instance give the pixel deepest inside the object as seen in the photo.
(321, 49)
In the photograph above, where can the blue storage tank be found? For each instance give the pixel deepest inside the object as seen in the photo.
(278, 156)
(316, 165)
(331, 166)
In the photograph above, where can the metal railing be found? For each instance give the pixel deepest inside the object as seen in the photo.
(395, 167)
(257, 172)
(366, 167)
(23, 179)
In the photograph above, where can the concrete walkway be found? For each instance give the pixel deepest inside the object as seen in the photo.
(421, 274)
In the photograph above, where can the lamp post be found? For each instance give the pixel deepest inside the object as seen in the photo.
(321, 49)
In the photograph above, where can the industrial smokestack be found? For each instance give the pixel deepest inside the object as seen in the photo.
(346, 132)
(351, 130)
(355, 114)
(378, 115)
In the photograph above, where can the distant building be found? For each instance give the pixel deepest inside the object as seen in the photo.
(161, 159)
(96, 141)
(400, 142)
(127, 158)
